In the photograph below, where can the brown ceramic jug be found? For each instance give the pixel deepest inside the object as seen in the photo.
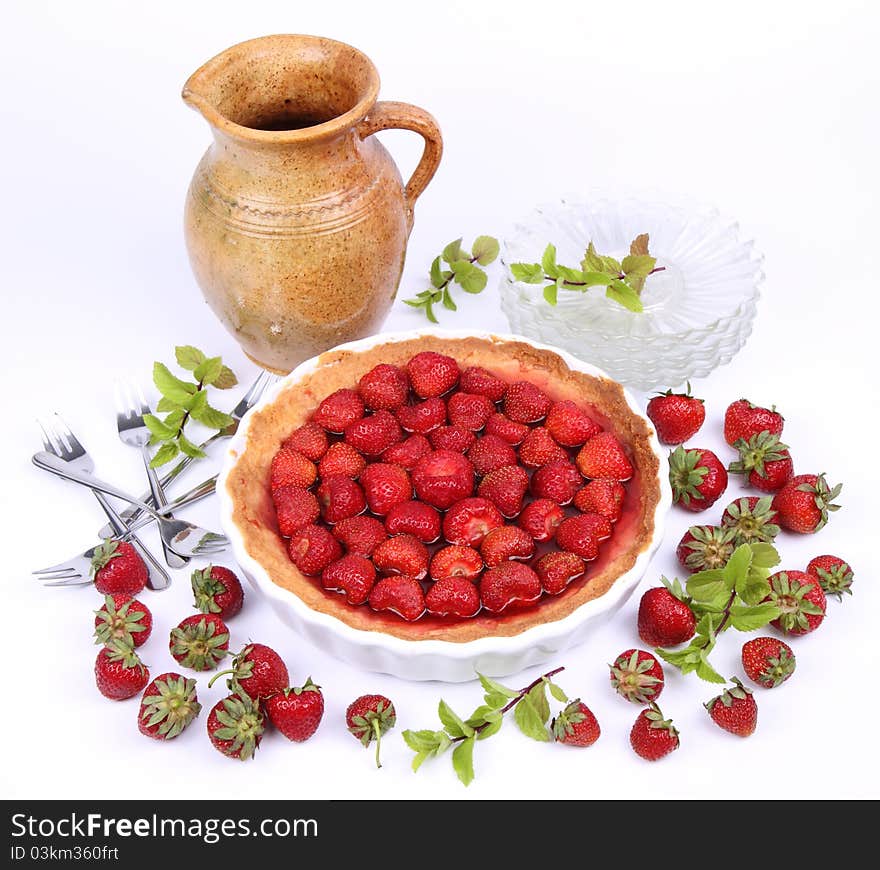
(296, 218)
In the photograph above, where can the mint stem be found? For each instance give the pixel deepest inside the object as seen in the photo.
(438, 291)
(724, 618)
(620, 276)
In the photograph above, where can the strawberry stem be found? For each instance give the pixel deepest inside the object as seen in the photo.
(377, 731)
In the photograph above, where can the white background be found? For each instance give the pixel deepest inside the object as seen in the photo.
(767, 110)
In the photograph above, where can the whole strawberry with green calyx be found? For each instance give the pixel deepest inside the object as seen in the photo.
(752, 520)
(200, 642)
(734, 710)
(705, 547)
(765, 460)
(637, 676)
(576, 725)
(117, 567)
(800, 599)
(297, 712)
(368, 718)
(119, 673)
(168, 706)
(217, 590)
(835, 576)
(258, 671)
(742, 419)
(665, 618)
(698, 478)
(652, 737)
(124, 618)
(676, 416)
(235, 726)
(803, 504)
(768, 661)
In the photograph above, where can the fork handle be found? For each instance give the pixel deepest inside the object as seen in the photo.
(172, 559)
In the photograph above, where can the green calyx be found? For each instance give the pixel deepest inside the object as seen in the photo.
(119, 651)
(199, 645)
(789, 596)
(736, 692)
(171, 706)
(751, 524)
(710, 548)
(563, 725)
(754, 453)
(241, 722)
(204, 588)
(104, 552)
(824, 496)
(655, 720)
(630, 679)
(122, 623)
(777, 669)
(242, 668)
(836, 581)
(372, 724)
(686, 475)
(686, 395)
(307, 686)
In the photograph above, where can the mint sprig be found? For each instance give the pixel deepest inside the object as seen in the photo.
(185, 400)
(722, 598)
(464, 270)
(531, 712)
(623, 281)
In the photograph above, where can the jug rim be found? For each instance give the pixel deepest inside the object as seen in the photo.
(194, 98)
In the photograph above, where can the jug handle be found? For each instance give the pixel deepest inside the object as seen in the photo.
(388, 115)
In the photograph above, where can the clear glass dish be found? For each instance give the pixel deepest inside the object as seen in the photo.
(697, 314)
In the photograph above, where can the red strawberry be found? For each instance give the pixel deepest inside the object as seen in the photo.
(637, 676)
(341, 458)
(119, 673)
(442, 477)
(734, 710)
(582, 535)
(313, 548)
(468, 521)
(452, 438)
(117, 567)
(489, 453)
(168, 706)
(765, 459)
(385, 486)
(352, 575)
(803, 504)
(603, 497)
(526, 403)
(384, 387)
(506, 429)
(257, 671)
(217, 590)
(414, 518)
(477, 380)
(541, 518)
(423, 417)
(295, 507)
(557, 569)
(603, 456)
(742, 419)
(558, 481)
(505, 487)
(360, 534)
(370, 716)
(576, 725)
(470, 410)
(506, 543)
(705, 547)
(199, 642)
(800, 598)
(453, 596)
(297, 713)
(291, 468)
(768, 661)
(570, 425)
(432, 374)
(539, 448)
(339, 410)
(123, 618)
(407, 453)
(235, 726)
(752, 520)
(402, 554)
(400, 594)
(456, 561)
(697, 477)
(374, 434)
(340, 497)
(834, 575)
(310, 440)
(664, 620)
(652, 736)
(509, 586)
(676, 416)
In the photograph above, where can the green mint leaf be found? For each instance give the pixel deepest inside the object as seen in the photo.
(482, 715)
(624, 295)
(158, 429)
(764, 555)
(208, 371)
(422, 741)
(165, 454)
(463, 760)
(165, 404)
(418, 758)
(226, 379)
(557, 692)
(737, 567)
(490, 729)
(429, 312)
(551, 292)
(705, 626)
(454, 726)
(674, 657)
(471, 278)
(453, 252)
(572, 276)
(490, 685)
(528, 273)
(188, 357)
(447, 300)
(538, 696)
(598, 279)
(706, 672)
(637, 265)
(548, 261)
(190, 449)
(744, 618)
(708, 585)
(495, 700)
(211, 417)
(529, 721)
(415, 303)
(592, 262)
(485, 249)
(611, 266)
(174, 389)
(174, 419)
(752, 588)
(436, 273)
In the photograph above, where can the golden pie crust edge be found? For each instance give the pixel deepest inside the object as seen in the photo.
(254, 514)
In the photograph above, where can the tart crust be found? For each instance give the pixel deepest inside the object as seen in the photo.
(254, 513)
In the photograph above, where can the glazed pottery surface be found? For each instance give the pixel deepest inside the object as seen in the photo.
(297, 218)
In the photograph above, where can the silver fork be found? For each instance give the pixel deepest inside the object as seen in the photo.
(60, 440)
(248, 400)
(130, 409)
